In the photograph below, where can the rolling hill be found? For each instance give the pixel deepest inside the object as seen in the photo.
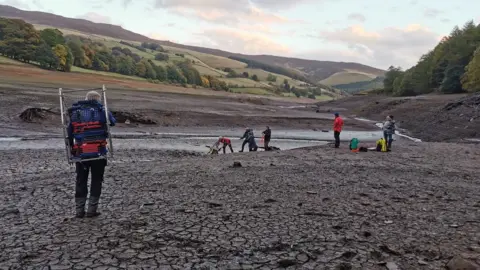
(314, 70)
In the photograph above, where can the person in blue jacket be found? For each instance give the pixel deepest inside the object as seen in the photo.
(97, 168)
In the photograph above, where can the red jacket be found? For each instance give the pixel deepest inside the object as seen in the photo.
(338, 124)
(225, 140)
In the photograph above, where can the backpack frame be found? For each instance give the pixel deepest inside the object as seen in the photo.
(64, 111)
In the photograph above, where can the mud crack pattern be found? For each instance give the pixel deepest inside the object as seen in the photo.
(316, 208)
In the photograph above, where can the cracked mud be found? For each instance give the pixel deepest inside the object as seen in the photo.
(316, 208)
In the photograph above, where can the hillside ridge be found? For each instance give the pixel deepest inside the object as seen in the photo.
(315, 70)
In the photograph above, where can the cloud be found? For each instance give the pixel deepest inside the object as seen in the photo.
(229, 12)
(95, 17)
(16, 3)
(356, 17)
(391, 45)
(432, 12)
(241, 41)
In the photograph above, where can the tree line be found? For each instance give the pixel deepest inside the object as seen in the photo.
(50, 49)
(453, 66)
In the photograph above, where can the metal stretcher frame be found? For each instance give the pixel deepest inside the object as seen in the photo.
(65, 116)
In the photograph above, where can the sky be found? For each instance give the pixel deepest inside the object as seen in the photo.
(372, 32)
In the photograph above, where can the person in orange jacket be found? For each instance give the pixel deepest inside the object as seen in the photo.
(337, 128)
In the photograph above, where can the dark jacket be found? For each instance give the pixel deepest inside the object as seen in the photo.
(248, 134)
(267, 134)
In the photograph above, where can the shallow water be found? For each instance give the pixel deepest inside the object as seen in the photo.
(190, 141)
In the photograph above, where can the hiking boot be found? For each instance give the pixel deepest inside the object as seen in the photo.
(92, 215)
(80, 207)
(93, 206)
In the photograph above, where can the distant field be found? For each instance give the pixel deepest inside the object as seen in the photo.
(346, 78)
(262, 76)
(211, 60)
(253, 91)
(103, 73)
(244, 82)
(8, 61)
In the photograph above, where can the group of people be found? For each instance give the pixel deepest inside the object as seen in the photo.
(388, 129)
(97, 167)
(248, 138)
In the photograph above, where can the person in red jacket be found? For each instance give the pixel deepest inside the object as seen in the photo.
(226, 142)
(337, 128)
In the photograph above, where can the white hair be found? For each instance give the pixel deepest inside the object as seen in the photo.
(93, 95)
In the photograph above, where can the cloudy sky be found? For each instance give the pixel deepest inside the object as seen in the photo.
(373, 32)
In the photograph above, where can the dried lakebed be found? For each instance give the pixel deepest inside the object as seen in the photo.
(314, 208)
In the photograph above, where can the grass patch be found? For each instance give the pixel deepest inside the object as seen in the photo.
(7, 61)
(209, 59)
(103, 73)
(253, 91)
(345, 78)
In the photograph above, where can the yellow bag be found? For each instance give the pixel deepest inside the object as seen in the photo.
(382, 145)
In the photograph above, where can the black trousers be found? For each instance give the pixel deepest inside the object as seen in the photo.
(336, 134)
(225, 146)
(266, 141)
(97, 168)
(243, 144)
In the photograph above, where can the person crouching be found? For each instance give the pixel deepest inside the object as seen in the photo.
(226, 142)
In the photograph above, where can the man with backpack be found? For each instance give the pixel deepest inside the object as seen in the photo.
(87, 133)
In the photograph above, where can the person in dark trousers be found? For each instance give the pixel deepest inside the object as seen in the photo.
(388, 131)
(226, 142)
(252, 144)
(246, 137)
(97, 169)
(267, 134)
(337, 129)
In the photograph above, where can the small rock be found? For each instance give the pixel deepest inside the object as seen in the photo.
(286, 263)
(459, 263)
(392, 266)
(422, 262)
(343, 266)
(389, 250)
(388, 222)
(214, 204)
(127, 122)
(237, 164)
(148, 204)
(270, 201)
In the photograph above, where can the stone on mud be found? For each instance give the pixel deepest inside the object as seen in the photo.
(460, 263)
